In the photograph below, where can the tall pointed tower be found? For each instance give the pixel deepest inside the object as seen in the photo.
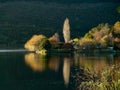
(66, 30)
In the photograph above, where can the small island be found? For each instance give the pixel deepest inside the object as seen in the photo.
(103, 38)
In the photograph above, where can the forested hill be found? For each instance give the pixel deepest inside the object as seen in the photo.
(66, 1)
(20, 20)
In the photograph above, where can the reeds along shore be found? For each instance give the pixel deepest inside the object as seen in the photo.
(108, 79)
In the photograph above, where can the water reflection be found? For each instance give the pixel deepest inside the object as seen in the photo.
(92, 63)
(66, 70)
(96, 63)
(36, 62)
(63, 63)
(54, 63)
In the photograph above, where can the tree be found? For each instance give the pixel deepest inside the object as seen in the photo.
(116, 35)
(100, 34)
(116, 27)
(44, 44)
(87, 43)
(55, 38)
(55, 41)
(33, 43)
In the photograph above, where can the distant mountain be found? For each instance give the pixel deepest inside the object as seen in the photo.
(20, 20)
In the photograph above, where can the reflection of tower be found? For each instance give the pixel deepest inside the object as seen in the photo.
(66, 70)
(66, 30)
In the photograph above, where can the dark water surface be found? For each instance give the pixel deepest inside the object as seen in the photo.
(29, 71)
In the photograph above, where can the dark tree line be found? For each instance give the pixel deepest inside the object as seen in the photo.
(66, 1)
(14, 36)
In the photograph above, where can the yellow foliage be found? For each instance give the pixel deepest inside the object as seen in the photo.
(54, 38)
(117, 24)
(38, 62)
(32, 44)
(117, 27)
(35, 62)
(83, 41)
(76, 40)
(117, 39)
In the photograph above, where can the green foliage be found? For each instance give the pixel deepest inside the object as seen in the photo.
(89, 35)
(100, 34)
(108, 79)
(44, 44)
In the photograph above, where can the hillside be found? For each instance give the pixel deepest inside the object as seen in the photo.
(66, 1)
(20, 20)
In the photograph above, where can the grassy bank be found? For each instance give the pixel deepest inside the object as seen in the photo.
(107, 79)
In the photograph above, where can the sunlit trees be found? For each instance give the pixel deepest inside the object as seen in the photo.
(44, 44)
(87, 43)
(100, 35)
(116, 27)
(55, 38)
(33, 43)
(38, 42)
(66, 30)
(116, 35)
(99, 32)
(55, 41)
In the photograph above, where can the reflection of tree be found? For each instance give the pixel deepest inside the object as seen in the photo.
(96, 72)
(35, 61)
(93, 63)
(117, 59)
(66, 70)
(54, 63)
(40, 62)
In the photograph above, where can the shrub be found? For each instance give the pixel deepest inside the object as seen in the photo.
(108, 79)
(44, 44)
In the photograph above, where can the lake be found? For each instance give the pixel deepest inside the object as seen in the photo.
(20, 70)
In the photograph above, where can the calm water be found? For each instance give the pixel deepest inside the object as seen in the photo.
(29, 71)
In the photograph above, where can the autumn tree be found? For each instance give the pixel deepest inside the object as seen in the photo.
(116, 35)
(55, 38)
(101, 34)
(116, 27)
(55, 41)
(33, 43)
(87, 43)
(44, 44)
